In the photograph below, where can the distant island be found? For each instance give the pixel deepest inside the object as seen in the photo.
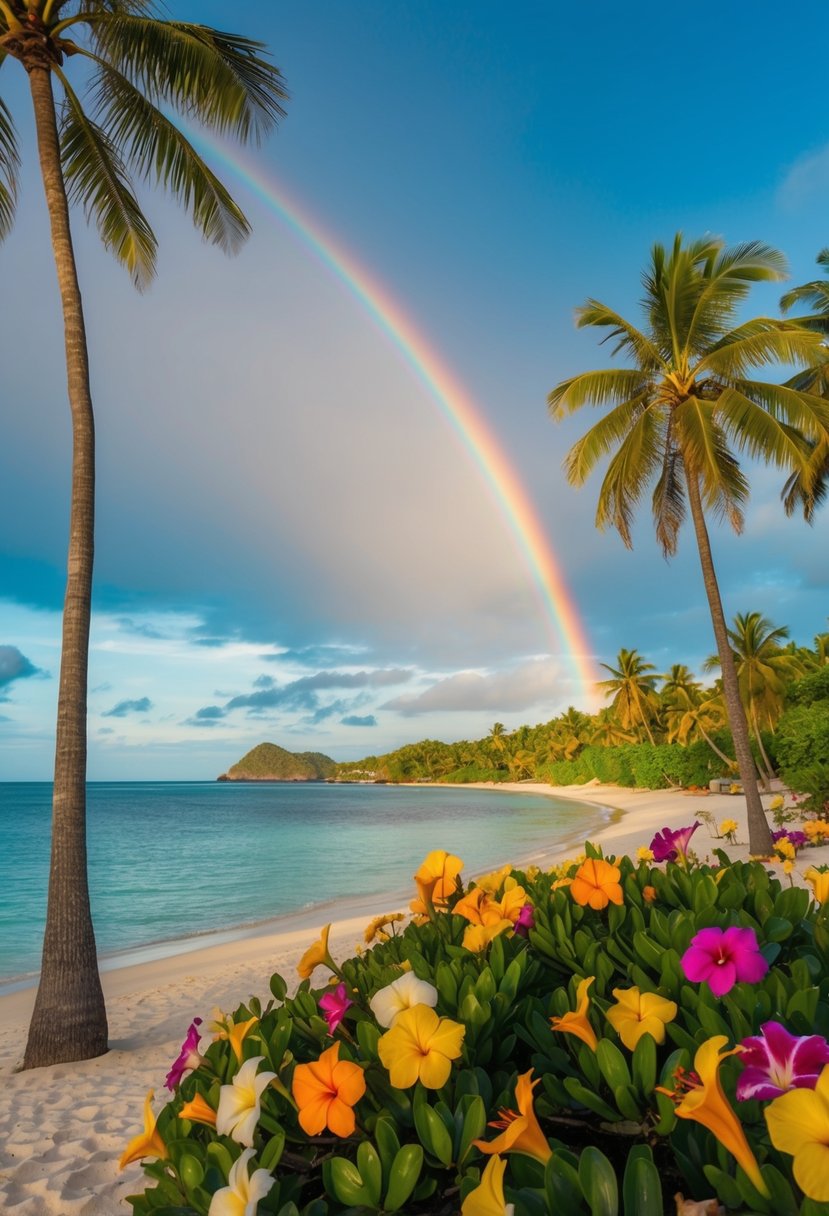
(269, 762)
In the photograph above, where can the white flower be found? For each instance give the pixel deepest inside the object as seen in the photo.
(238, 1111)
(400, 995)
(242, 1194)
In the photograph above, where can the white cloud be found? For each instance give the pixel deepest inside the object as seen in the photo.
(537, 683)
(805, 180)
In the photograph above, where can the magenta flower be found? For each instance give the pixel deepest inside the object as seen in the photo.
(667, 845)
(798, 840)
(526, 921)
(189, 1057)
(723, 957)
(334, 1005)
(776, 1061)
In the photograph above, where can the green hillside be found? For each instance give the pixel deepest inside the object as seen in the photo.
(269, 762)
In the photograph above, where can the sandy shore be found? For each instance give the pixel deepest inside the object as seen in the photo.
(63, 1128)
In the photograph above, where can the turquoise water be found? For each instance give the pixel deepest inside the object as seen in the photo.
(173, 860)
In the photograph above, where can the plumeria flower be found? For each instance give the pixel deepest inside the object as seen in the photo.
(326, 1092)
(722, 957)
(436, 879)
(147, 1143)
(420, 1047)
(668, 845)
(188, 1058)
(488, 1197)
(399, 995)
(637, 1013)
(521, 1131)
(242, 1194)
(700, 1097)
(596, 884)
(798, 1124)
(576, 1021)
(334, 1005)
(239, 1102)
(775, 1062)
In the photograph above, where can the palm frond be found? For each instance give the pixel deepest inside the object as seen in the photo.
(9, 165)
(155, 148)
(808, 488)
(759, 342)
(807, 412)
(596, 388)
(216, 78)
(601, 438)
(669, 499)
(814, 295)
(96, 178)
(629, 339)
(760, 432)
(814, 380)
(706, 455)
(725, 283)
(628, 475)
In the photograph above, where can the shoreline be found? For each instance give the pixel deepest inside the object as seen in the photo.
(63, 1128)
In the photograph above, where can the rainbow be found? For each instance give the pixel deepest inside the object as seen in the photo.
(559, 609)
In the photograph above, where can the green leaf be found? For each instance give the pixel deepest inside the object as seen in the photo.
(612, 1064)
(371, 1171)
(641, 1186)
(278, 986)
(472, 1128)
(431, 1129)
(272, 1152)
(388, 1144)
(404, 1176)
(598, 1182)
(643, 1065)
(343, 1181)
(561, 1183)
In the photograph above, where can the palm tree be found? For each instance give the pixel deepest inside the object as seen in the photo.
(634, 697)
(810, 494)
(134, 68)
(764, 671)
(684, 407)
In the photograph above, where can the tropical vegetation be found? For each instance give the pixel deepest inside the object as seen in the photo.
(104, 78)
(612, 1037)
(683, 410)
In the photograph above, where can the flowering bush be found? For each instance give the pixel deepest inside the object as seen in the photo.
(598, 1039)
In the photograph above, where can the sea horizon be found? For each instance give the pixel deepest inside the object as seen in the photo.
(257, 856)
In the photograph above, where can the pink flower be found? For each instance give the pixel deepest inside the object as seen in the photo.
(724, 957)
(334, 1005)
(777, 1061)
(189, 1057)
(526, 921)
(667, 845)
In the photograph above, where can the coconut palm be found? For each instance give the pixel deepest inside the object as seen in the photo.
(98, 126)
(764, 671)
(635, 702)
(815, 297)
(685, 407)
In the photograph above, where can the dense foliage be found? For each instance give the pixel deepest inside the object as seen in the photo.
(564, 1042)
(269, 762)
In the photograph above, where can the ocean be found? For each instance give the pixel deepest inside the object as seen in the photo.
(170, 861)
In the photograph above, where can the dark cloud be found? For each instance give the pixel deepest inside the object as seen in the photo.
(356, 720)
(209, 713)
(264, 682)
(14, 666)
(123, 708)
(301, 694)
(314, 656)
(140, 630)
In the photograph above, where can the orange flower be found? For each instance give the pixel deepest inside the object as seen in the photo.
(522, 1133)
(147, 1143)
(577, 1022)
(480, 908)
(596, 884)
(436, 880)
(325, 1092)
(649, 894)
(198, 1111)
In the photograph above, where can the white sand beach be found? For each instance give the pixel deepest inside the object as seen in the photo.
(63, 1128)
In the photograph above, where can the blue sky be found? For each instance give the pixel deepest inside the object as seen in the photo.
(292, 544)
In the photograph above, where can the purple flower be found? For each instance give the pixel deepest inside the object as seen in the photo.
(667, 845)
(724, 957)
(776, 1061)
(526, 921)
(189, 1057)
(334, 1005)
(797, 840)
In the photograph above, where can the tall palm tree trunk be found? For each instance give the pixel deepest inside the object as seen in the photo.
(759, 833)
(69, 1020)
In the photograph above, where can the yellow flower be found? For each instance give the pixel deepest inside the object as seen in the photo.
(776, 803)
(706, 1103)
(597, 884)
(374, 926)
(784, 848)
(315, 956)
(521, 1132)
(488, 1197)
(798, 1124)
(637, 1013)
(577, 1022)
(787, 867)
(147, 1143)
(819, 882)
(477, 937)
(644, 853)
(420, 1047)
(224, 1027)
(492, 882)
(728, 826)
(198, 1111)
(436, 880)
